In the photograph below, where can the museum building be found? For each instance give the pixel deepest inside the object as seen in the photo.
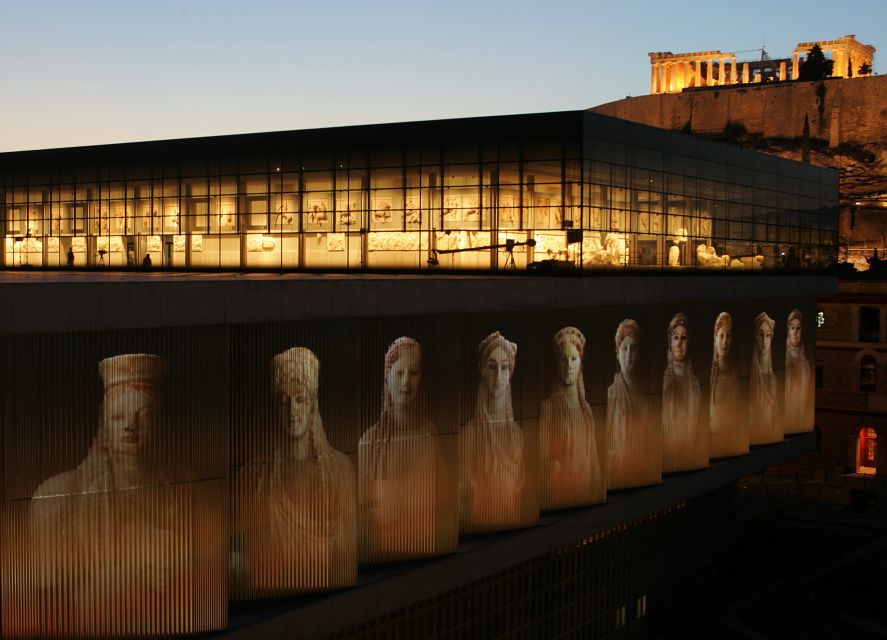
(410, 454)
(475, 193)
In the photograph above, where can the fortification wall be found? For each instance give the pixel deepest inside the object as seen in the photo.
(852, 110)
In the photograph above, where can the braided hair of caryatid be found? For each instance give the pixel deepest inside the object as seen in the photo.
(298, 369)
(571, 335)
(672, 380)
(416, 421)
(496, 434)
(762, 383)
(724, 319)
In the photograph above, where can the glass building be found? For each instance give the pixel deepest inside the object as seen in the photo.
(489, 193)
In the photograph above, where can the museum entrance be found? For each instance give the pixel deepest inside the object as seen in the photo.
(867, 451)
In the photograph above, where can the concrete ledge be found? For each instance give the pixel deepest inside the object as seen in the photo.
(389, 589)
(63, 302)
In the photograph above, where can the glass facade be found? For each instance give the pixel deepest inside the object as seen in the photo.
(485, 193)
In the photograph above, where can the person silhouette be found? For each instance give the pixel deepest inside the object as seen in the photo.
(146, 263)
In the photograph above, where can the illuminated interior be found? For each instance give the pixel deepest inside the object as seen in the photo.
(586, 193)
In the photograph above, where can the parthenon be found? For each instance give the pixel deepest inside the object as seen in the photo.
(674, 72)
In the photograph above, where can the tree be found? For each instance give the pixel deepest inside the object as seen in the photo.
(815, 65)
(865, 69)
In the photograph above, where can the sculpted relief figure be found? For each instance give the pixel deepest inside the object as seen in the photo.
(295, 520)
(491, 446)
(634, 444)
(798, 408)
(407, 501)
(763, 423)
(684, 445)
(571, 468)
(108, 536)
(729, 430)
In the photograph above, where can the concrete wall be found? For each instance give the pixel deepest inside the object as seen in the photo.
(853, 110)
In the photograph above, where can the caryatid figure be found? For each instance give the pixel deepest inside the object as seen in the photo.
(571, 468)
(408, 503)
(684, 444)
(492, 461)
(634, 441)
(798, 409)
(764, 425)
(109, 538)
(295, 528)
(727, 424)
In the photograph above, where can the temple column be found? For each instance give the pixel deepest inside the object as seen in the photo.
(721, 72)
(782, 70)
(712, 80)
(795, 66)
(734, 72)
(685, 72)
(745, 73)
(653, 79)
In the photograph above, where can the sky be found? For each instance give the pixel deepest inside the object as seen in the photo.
(82, 72)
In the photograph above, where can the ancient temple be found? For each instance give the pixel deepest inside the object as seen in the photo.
(674, 72)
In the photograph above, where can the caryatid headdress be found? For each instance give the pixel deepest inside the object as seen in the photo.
(762, 319)
(795, 314)
(627, 327)
(572, 335)
(142, 371)
(395, 349)
(299, 368)
(484, 350)
(679, 320)
(489, 344)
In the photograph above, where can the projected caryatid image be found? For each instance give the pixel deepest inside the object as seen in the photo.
(572, 474)
(764, 425)
(684, 443)
(407, 490)
(634, 441)
(129, 539)
(111, 533)
(798, 409)
(726, 409)
(295, 523)
(492, 456)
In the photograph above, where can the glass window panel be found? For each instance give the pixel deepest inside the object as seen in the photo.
(318, 211)
(543, 171)
(386, 178)
(509, 173)
(461, 175)
(350, 208)
(254, 184)
(318, 181)
(386, 209)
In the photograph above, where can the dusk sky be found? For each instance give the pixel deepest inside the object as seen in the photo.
(92, 72)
